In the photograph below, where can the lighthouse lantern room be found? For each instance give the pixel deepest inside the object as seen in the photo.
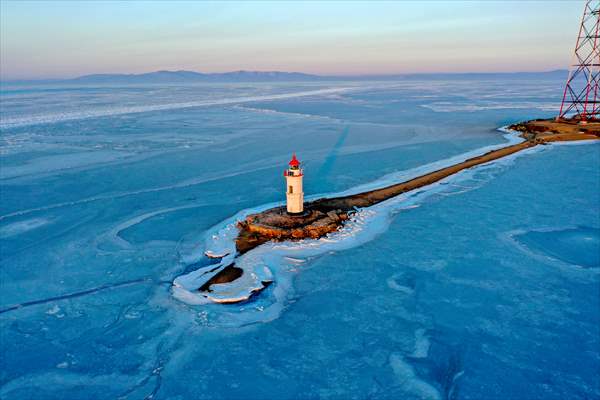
(294, 194)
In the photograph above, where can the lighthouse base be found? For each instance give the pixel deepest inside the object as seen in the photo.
(303, 213)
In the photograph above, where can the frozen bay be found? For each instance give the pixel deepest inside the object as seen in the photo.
(489, 285)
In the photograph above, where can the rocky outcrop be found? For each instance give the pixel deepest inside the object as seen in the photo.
(276, 224)
(227, 274)
(550, 130)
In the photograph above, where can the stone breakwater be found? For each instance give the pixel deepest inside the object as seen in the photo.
(327, 215)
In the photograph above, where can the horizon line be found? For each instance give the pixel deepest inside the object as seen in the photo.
(327, 75)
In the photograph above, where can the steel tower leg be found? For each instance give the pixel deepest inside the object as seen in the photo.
(580, 97)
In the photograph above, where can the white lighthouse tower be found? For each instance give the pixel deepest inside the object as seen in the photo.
(294, 194)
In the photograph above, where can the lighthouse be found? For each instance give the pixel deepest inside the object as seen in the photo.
(294, 194)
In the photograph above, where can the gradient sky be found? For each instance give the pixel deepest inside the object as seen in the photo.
(48, 39)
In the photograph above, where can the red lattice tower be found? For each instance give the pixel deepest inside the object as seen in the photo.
(580, 99)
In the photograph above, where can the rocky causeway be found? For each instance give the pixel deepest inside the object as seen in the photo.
(326, 215)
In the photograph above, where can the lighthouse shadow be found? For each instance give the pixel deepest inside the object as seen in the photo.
(324, 172)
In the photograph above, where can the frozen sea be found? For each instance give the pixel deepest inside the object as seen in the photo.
(484, 286)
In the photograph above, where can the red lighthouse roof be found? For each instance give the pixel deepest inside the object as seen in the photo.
(294, 162)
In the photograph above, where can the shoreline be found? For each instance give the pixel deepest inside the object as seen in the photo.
(327, 215)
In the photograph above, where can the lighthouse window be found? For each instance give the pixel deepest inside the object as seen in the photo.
(291, 189)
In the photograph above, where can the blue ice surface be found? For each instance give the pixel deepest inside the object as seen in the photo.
(487, 289)
(576, 246)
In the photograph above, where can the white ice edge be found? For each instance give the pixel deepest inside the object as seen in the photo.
(279, 261)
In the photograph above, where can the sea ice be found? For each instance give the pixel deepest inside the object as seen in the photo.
(427, 295)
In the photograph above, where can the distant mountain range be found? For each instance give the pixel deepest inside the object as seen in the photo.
(164, 77)
(192, 76)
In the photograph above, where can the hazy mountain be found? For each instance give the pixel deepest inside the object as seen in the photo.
(191, 76)
(166, 77)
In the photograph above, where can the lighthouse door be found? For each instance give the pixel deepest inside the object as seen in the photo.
(291, 189)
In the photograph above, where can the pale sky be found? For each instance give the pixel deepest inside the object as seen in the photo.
(47, 39)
